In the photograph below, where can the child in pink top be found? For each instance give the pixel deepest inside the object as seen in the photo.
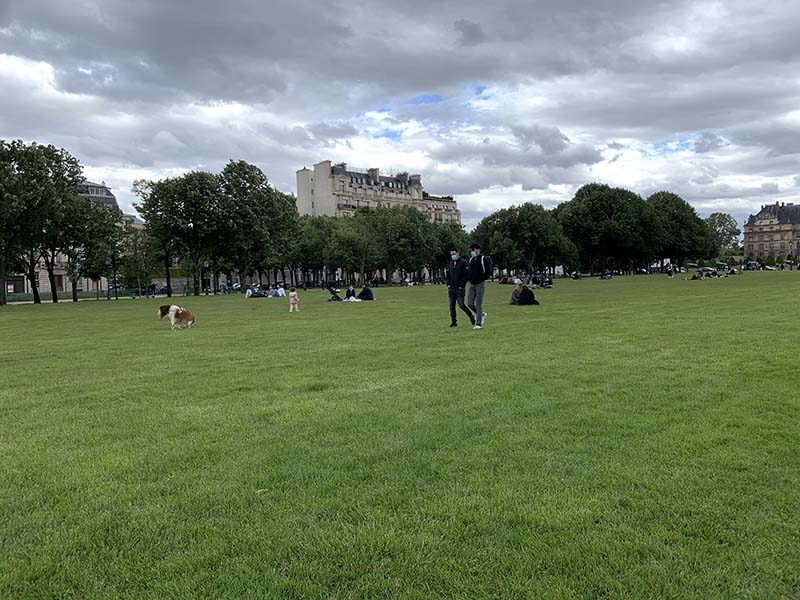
(294, 303)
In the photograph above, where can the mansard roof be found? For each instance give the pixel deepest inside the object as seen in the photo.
(784, 213)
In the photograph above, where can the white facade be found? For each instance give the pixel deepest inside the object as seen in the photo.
(334, 190)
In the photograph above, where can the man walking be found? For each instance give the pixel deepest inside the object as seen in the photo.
(456, 282)
(480, 269)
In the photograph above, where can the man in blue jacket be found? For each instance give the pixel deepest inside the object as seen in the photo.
(480, 269)
(456, 282)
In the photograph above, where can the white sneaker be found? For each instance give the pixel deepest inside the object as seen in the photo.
(483, 318)
(477, 327)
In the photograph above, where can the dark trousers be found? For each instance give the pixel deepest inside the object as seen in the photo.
(457, 295)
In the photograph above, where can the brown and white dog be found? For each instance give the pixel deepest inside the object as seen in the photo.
(179, 317)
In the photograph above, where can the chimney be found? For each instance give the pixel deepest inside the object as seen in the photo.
(403, 177)
(415, 179)
(374, 174)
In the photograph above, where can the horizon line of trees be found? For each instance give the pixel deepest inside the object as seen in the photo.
(605, 228)
(235, 221)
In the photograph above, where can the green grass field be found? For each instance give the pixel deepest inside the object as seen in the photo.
(634, 438)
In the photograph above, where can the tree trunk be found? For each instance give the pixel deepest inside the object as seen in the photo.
(74, 290)
(51, 275)
(166, 272)
(32, 279)
(195, 282)
(3, 275)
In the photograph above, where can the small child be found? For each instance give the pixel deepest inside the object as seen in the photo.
(294, 303)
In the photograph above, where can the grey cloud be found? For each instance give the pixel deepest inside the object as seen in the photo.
(550, 139)
(471, 33)
(129, 77)
(707, 142)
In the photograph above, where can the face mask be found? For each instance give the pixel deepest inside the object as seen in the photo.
(453, 258)
(473, 253)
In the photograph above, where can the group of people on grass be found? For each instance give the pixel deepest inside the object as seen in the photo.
(476, 271)
(366, 294)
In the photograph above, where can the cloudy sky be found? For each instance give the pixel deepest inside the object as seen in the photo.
(495, 102)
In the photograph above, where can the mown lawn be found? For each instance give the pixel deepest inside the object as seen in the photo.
(634, 438)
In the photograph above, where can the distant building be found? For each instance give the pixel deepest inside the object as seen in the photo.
(774, 231)
(101, 193)
(336, 191)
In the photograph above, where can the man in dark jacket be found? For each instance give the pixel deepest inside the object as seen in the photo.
(480, 269)
(456, 282)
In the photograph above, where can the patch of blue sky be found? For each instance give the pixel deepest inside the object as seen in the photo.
(390, 134)
(426, 99)
(678, 144)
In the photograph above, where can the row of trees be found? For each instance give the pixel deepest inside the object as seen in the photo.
(44, 218)
(604, 228)
(216, 223)
(235, 221)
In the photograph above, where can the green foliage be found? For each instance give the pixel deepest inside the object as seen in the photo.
(525, 236)
(611, 227)
(139, 261)
(38, 196)
(23, 172)
(725, 229)
(685, 235)
(769, 261)
(356, 244)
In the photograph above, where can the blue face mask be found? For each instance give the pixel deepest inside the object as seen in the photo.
(473, 253)
(453, 257)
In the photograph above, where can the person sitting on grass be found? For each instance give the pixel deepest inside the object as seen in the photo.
(366, 293)
(522, 295)
(526, 297)
(350, 293)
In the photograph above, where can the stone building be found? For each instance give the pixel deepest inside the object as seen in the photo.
(774, 231)
(334, 190)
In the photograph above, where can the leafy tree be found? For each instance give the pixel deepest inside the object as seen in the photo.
(139, 262)
(198, 212)
(312, 250)
(610, 227)
(23, 172)
(248, 207)
(685, 235)
(356, 243)
(283, 231)
(725, 229)
(408, 238)
(159, 208)
(59, 194)
(96, 258)
(85, 214)
(492, 234)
